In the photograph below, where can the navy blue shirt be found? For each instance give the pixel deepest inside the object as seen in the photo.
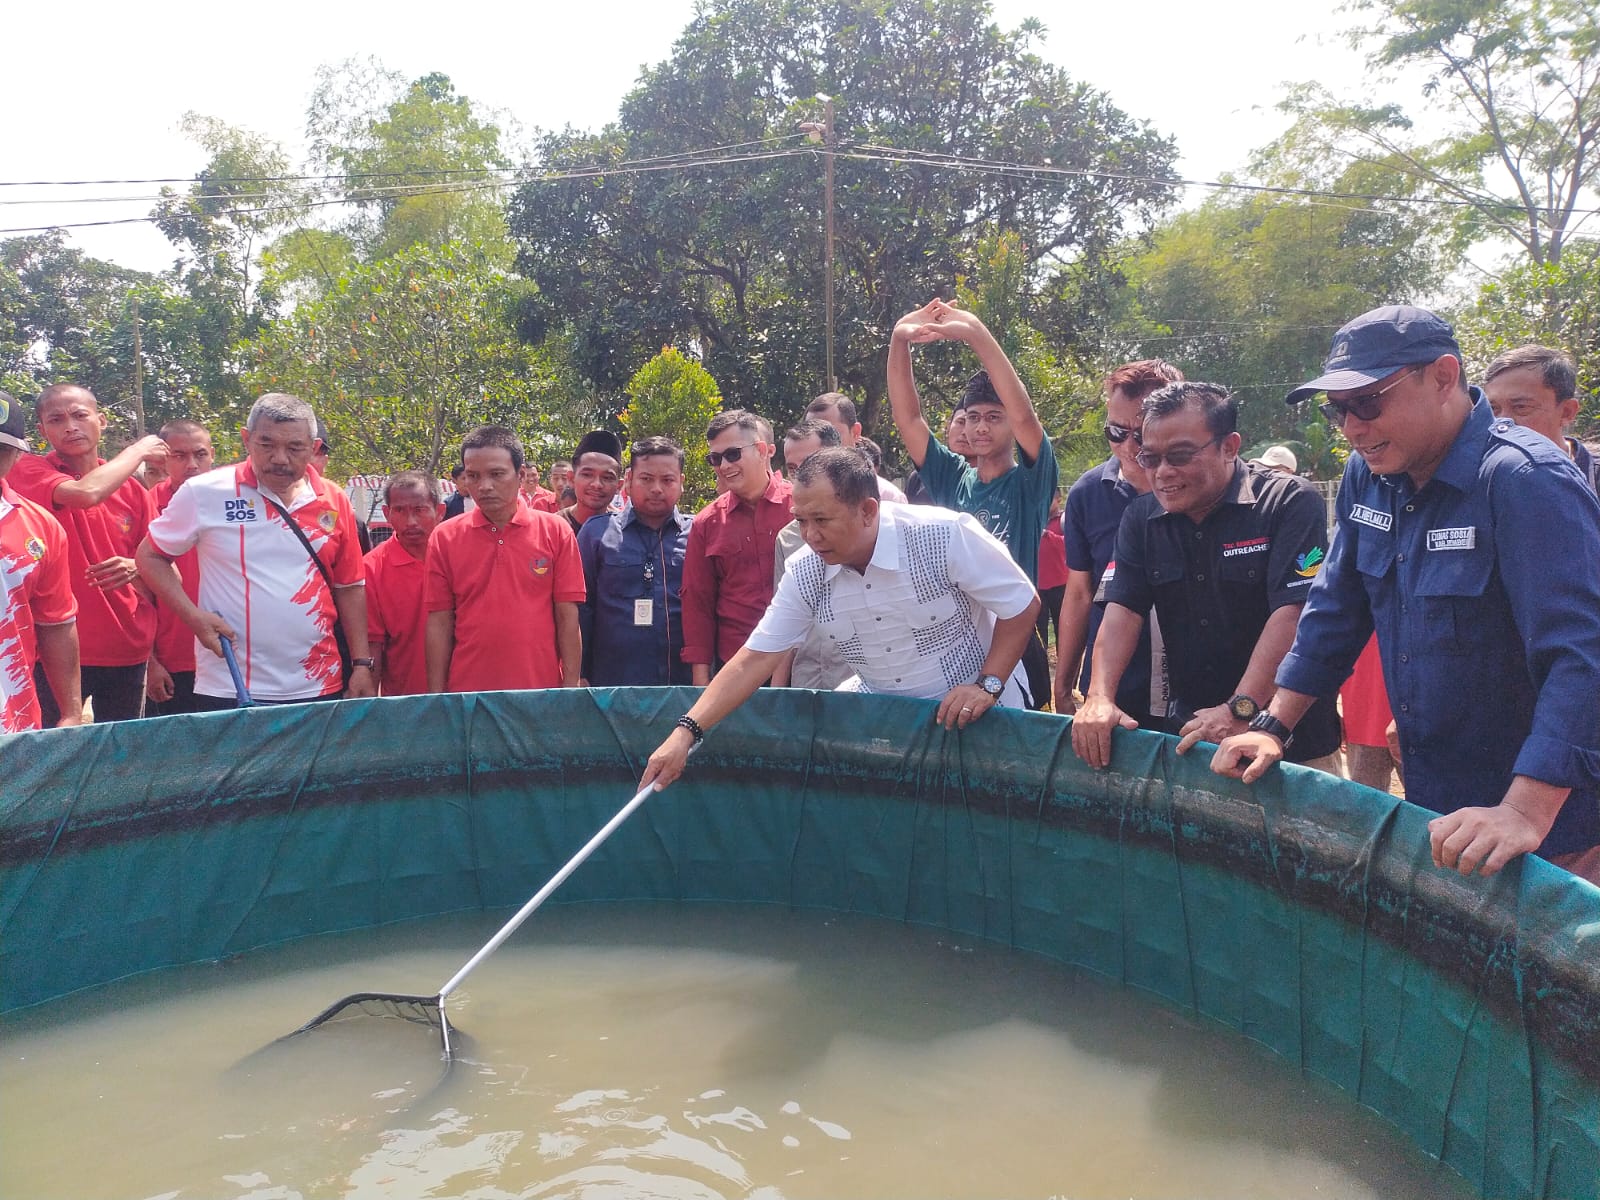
(1215, 584)
(625, 561)
(1095, 504)
(1484, 589)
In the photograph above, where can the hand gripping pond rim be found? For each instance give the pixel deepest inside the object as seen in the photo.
(430, 1010)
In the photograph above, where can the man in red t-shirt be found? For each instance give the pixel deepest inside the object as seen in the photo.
(504, 583)
(732, 552)
(540, 499)
(105, 511)
(38, 615)
(169, 683)
(397, 574)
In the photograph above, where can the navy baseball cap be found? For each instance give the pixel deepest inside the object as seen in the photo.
(12, 430)
(1377, 344)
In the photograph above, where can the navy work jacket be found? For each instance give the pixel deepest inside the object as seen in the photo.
(625, 561)
(1484, 589)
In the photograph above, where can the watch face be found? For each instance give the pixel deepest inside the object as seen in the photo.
(1243, 707)
(992, 684)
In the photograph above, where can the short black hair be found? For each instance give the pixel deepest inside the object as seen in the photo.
(872, 450)
(488, 437)
(1555, 369)
(409, 479)
(1215, 402)
(738, 418)
(835, 402)
(653, 447)
(816, 427)
(979, 390)
(847, 471)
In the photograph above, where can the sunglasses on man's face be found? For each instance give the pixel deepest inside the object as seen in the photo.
(731, 455)
(1117, 434)
(1363, 408)
(1181, 457)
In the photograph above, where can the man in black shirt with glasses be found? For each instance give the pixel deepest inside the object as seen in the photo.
(1225, 553)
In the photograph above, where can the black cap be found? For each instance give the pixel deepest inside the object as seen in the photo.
(1377, 344)
(599, 441)
(13, 431)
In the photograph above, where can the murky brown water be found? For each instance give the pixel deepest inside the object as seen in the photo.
(682, 1052)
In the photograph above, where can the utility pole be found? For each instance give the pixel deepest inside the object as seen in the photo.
(138, 373)
(823, 131)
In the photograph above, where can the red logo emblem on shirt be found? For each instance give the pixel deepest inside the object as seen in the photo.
(35, 548)
(328, 520)
(539, 566)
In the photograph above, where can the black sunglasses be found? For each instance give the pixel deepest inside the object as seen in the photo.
(732, 454)
(1173, 458)
(1117, 434)
(1363, 408)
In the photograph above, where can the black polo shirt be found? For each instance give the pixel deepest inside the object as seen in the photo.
(1213, 585)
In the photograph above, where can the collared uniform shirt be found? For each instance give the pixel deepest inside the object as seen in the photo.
(1484, 589)
(1213, 586)
(1013, 506)
(35, 590)
(1094, 508)
(257, 574)
(624, 562)
(396, 618)
(920, 619)
(175, 644)
(116, 626)
(503, 583)
(727, 570)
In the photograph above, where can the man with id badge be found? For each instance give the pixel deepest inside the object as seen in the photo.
(632, 620)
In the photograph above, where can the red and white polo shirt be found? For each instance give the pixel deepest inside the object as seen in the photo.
(35, 590)
(255, 572)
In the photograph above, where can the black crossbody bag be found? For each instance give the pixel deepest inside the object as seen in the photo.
(338, 624)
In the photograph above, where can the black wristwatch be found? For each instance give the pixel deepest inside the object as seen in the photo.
(992, 684)
(1265, 722)
(1243, 707)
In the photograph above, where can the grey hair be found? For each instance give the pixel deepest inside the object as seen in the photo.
(279, 407)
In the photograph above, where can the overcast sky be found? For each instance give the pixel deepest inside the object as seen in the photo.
(100, 93)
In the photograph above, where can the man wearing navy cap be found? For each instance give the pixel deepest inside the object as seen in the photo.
(1472, 547)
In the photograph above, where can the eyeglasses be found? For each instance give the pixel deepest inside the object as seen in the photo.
(1117, 434)
(731, 455)
(1363, 408)
(1173, 458)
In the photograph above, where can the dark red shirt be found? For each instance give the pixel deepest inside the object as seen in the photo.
(728, 569)
(175, 640)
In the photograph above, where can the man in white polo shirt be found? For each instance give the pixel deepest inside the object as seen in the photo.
(259, 583)
(920, 601)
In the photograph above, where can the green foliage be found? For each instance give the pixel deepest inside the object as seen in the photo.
(1551, 304)
(674, 396)
(404, 355)
(420, 160)
(66, 317)
(1518, 83)
(1249, 292)
(730, 257)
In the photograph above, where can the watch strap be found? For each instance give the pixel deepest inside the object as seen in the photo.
(1265, 722)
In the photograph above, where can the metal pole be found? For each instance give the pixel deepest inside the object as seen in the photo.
(833, 382)
(138, 373)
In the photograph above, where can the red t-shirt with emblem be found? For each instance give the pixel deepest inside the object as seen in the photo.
(116, 626)
(35, 590)
(175, 642)
(503, 583)
(396, 618)
(257, 574)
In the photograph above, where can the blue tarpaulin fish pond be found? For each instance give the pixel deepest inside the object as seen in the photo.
(1303, 913)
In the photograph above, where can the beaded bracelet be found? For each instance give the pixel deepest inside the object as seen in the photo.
(693, 726)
